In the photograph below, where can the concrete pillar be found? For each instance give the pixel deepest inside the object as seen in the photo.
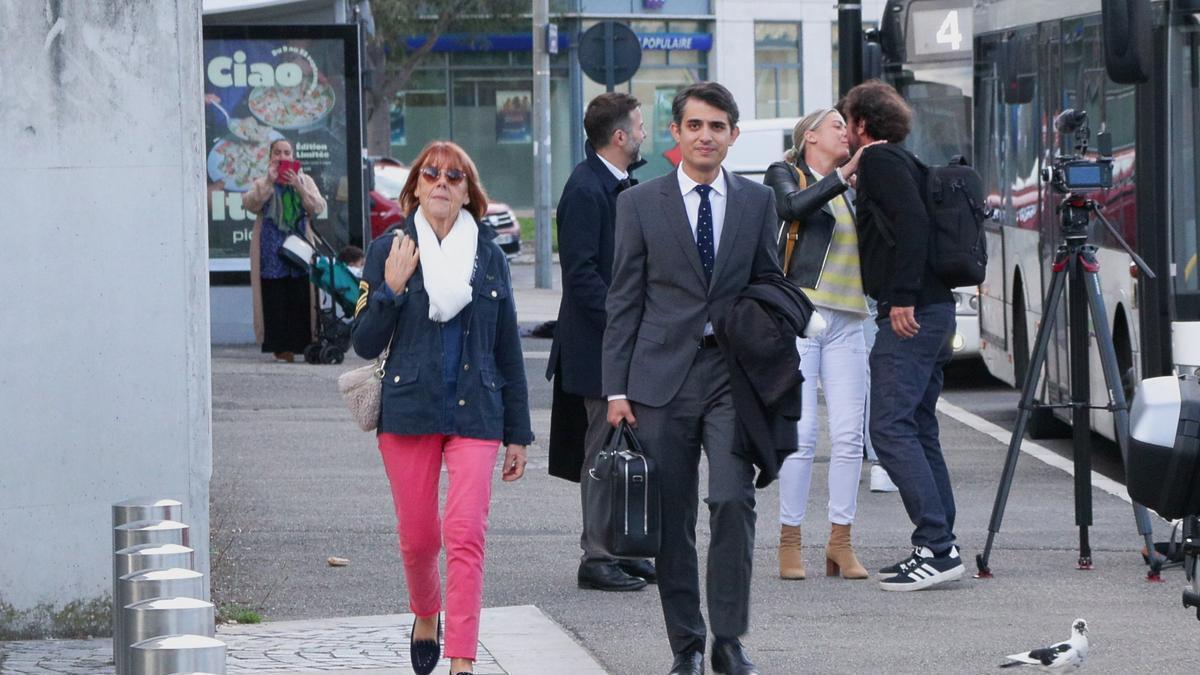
(106, 263)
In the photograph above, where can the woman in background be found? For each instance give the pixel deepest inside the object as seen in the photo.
(285, 202)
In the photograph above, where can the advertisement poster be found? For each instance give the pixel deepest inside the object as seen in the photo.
(514, 117)
(663, 97)
(299, 84)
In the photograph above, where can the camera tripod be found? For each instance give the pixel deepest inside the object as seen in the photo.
(1076, 260)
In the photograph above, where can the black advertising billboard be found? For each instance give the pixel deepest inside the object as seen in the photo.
(300, 83)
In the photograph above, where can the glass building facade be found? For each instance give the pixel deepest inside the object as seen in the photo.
(482, 100)
(480, 95)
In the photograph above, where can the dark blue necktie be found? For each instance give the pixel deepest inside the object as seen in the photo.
(704, 231)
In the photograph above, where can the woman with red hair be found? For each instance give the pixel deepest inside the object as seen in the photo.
(439, 309)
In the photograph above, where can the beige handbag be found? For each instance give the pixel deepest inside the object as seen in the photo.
(362, 388)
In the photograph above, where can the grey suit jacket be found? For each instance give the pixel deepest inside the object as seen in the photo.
(659, 299)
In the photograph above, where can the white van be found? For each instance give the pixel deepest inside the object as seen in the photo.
(759, 143)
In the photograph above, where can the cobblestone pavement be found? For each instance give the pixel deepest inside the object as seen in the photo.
(355, 643)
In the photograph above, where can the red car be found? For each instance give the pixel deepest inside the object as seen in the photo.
(390, 175)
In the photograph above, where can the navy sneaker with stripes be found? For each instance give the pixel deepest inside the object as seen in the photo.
(924, 570)
(894, 569)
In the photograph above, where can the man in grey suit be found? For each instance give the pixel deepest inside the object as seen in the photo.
(686, 244)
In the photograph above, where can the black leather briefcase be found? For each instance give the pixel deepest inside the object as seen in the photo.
(628, 508)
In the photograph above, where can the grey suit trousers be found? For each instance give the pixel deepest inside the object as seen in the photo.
(701, 415)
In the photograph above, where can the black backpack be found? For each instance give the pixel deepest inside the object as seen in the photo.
(953, 196)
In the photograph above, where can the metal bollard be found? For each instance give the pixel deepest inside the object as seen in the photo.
(144, 557)
(152, 556)
(177, 654)
(144, 532)
(167, 616)
(149, 532)
(144, 508)
(144, 585)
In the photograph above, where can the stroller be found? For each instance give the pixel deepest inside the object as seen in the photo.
(334, 281)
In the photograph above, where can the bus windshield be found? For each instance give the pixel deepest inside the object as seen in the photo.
(941, 102)
(1185, 167)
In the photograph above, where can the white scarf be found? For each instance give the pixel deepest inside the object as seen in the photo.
(447, 265)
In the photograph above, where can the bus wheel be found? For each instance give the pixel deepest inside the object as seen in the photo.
(1122, 345)
(1020, 337)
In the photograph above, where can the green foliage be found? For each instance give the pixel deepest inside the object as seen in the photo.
(395, 19)
(394, 62)
(529, 233)
(239, 614)
(76, 620)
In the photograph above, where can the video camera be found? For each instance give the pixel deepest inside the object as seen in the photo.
(1075, 172)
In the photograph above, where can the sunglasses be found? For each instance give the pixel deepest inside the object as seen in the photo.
(453, 176)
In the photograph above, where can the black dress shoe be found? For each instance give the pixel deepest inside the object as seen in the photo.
(728, 658)
(424, 654)
(642, 569)
(607, 576)
(688, 663)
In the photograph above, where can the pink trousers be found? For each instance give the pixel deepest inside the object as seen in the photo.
(414, 466)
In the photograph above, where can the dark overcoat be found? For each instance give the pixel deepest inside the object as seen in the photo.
(586, 213)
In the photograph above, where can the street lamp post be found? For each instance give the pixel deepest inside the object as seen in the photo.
(850, 70)
(541, 141)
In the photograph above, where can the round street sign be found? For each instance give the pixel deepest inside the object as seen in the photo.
(610, 53)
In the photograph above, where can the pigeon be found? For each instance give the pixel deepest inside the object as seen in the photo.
(1061, 657)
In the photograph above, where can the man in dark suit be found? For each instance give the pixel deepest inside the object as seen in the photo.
(686, 244)
(586, 211)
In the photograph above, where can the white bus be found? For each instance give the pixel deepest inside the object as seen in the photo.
(926, 56)
(1033, 59)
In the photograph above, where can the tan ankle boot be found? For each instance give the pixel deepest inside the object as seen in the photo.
(791, 562)
(839, 555)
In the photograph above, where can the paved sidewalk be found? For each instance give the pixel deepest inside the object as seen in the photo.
(535, 305)
(512, 641)
(295, 482)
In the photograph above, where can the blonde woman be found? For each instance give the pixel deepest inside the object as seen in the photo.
(819, 247)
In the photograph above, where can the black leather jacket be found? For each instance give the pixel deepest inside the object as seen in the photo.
(810, 207)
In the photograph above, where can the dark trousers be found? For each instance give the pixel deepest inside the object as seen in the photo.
(287, 315)
(906, 380)
(701, 414)
(591, 491)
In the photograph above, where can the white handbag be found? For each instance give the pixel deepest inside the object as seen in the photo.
(362, 388)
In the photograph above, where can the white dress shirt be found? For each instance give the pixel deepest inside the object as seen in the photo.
(717, 199)
(621, 175)
(691, 204)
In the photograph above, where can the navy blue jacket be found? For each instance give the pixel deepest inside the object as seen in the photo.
(587, 210)
(493, 401)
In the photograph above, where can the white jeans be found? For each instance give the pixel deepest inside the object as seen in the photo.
(837, 359)
(869, 331)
